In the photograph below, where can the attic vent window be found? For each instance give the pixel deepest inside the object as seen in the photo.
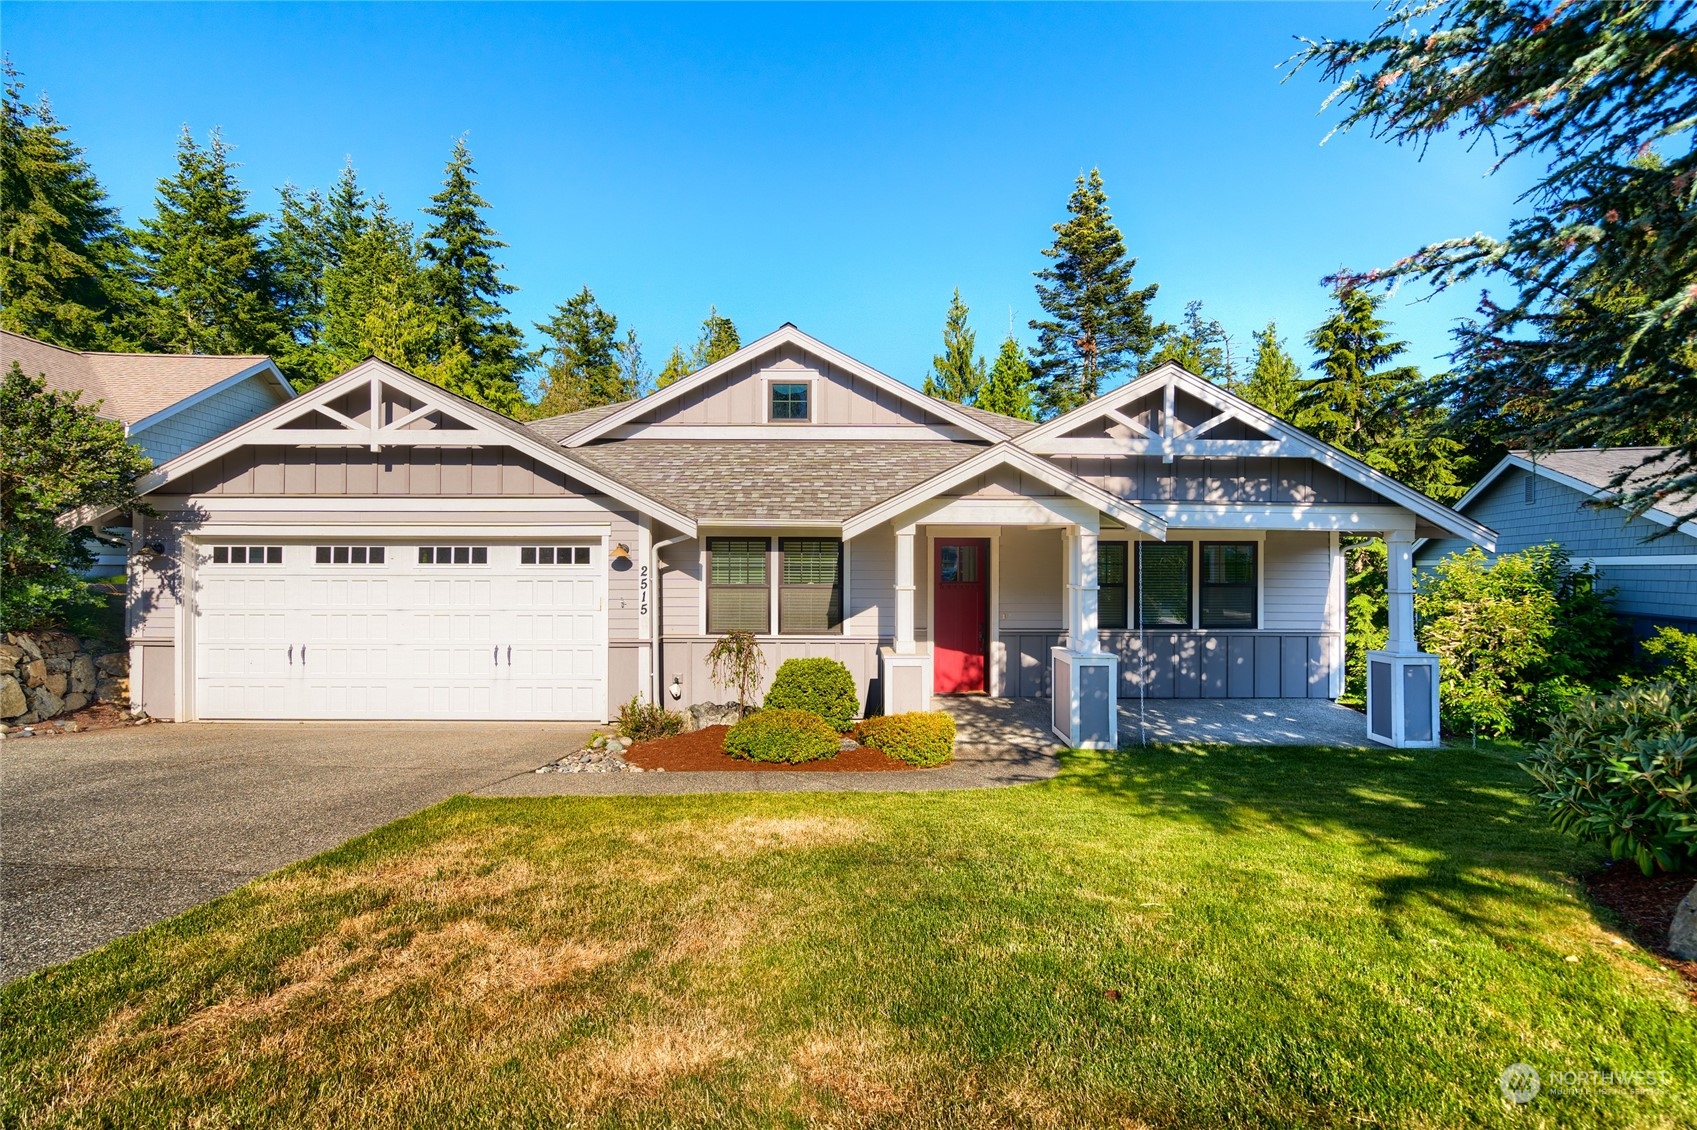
(789, 402)
(1531, 489)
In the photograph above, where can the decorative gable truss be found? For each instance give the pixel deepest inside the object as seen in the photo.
(376, 405)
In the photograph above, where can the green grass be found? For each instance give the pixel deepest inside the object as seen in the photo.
(1296, 937)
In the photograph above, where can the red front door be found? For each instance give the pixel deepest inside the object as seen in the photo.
(962, 616)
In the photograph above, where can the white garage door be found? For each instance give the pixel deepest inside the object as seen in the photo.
(401, 630)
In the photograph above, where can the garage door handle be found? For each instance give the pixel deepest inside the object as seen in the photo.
(303, 655)
(497, 656)
(509, 655)
(291, 655)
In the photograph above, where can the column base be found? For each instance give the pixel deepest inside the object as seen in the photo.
(1402, 699)
(906, 680)
(1085, 703)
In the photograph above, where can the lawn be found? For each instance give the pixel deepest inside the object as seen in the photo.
(1174, 937)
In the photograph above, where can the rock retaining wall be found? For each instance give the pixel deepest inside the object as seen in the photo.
(48, 673)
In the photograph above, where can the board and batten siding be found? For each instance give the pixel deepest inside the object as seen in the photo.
(1145, 478)
(192, 426)
(354, 471)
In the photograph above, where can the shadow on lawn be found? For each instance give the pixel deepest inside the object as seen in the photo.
(1451, 829)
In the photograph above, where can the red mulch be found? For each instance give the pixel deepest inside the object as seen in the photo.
(1645, 905)
(704, 751)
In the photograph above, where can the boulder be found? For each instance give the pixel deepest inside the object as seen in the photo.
(35, 672)
(1682, 936)
(44, 703)
(57, 645)
(705, 714)
(58, 682)
(10, 656)
(13, 701)
(57, 665)
(116, 664)
(76, 700)
(26, 643)
(83, 674)
(113, 690)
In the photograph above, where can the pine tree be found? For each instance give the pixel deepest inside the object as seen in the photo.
(206, 261)
(957, 373)
(1097, 325)
(1007, 390)
(1199, 344)
(66, 262)
(466, 281)
(1275, 382)
(587, 362)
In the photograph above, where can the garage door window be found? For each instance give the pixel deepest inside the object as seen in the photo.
(348, 555)
(554, 555)
(453, 555)
(247, 555)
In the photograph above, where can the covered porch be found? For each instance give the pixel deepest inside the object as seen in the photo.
(987, 724)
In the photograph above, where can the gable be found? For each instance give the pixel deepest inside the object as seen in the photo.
(166, 435)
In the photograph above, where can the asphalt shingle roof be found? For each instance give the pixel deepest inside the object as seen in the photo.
(1594, 465)
(133, 386)
(557, 429)
(1007, 425)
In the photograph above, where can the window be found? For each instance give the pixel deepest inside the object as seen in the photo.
(349, 555)
(453, 555)
(958, 564)
(1163, 584)
(789, 401)
(554, 555)
(738, 593)
(810, 592)
(247, 555)
(1111, 574)
(1227, 596)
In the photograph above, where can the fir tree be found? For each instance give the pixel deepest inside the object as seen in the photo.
(636, 377)
(1199, 344)
(466, 282)
(676, 368)
(957, 373)
(719, 339)
(66, 262)
(378, 303)
(586, 360)
(345, 213)
(1097, 325)
(206, 262)
(1275, 382)
(302, 253)
(1007, 390)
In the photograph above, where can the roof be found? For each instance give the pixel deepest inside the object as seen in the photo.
(132, 386)
(558, 428)
(1007, 425)
(1596, 466)
(773, 480)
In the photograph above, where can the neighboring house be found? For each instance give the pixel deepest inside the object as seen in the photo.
(1562, 497)
(379, 548)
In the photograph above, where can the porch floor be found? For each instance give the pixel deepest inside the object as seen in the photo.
(1024, 722)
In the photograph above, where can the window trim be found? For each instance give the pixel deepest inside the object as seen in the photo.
(273, 554)
(1190, 586)
(768, 384)
(841, 584)
(381, 550)
(768, 605)
(554, 549)
(1126, 589)
(1254, 585)
(471, 551)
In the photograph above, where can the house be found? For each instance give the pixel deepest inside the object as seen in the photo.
(378, 548)
(1562, 497)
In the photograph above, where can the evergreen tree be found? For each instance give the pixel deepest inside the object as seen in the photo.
(66, 261)
(1007, 390)
(587, 362)
(1097, 325)
(466, 282)
(636, 377)
(345, 213)
(378, 303)
(1199, 344)
(719, 339)
(1275, 382)
(676, 368)
(206, 262)
(957, 373)
(302, 253)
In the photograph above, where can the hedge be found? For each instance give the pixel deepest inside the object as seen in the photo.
(783, 736)
(922, 738)
(822, 686)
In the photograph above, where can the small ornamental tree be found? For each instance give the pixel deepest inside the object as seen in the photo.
(57, 457)
(736, 664)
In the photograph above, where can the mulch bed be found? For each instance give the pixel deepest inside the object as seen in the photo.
(97, 716)
(704, 751)
(1645, 905)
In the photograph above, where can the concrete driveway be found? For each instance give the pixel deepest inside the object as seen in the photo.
(104, 833)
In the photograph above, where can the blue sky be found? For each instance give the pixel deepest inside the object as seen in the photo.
(843, 168)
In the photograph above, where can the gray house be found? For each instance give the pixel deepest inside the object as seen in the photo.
(379, 548)
(1561, 497)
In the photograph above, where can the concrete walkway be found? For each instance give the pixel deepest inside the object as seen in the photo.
(1244, 721)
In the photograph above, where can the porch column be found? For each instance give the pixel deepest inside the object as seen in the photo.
(904, 591)
(1399, 546)
(1082, 593)
(1402, 682)
(1083, 678)
(905, 670)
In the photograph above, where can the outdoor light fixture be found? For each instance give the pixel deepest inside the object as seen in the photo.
(676, 689)
(621, 552)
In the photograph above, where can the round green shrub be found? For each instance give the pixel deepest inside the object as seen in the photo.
(785, 737)
(1621, 770)
(823, 686)
(922, 738)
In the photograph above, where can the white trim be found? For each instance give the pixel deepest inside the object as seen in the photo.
(1001, 454)
(1170, 448)
(394, 532)
(995, 660)
(773, 432)
(808, 378)
(1640, 559)
(786, 334)
(1212, 516)
(365, 504)
(1170, 376)
(1589, 490)
(264, 367)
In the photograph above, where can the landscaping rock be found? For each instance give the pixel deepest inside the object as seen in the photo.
(113, 690)
(705, 714)
(83, 674)
(10, 656)
(76, 700)
(116, 663)
(847, 744)
(13, 701)
(57, 683)
(35, 672)
(44, 703)
(1682, 936)
(57, 645)
(25, 643)
(604, 759)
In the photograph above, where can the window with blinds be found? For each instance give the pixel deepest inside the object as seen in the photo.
(1111, 576)
(1227, 590)
(738, 589)
(1164, 586)
(810, 589)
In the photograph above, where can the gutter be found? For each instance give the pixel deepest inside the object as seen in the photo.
(654, 549)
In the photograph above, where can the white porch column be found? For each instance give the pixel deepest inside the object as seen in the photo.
(1084, 678)
(906, 671)
(1402, 682)
(1399, 546)
(904, 591)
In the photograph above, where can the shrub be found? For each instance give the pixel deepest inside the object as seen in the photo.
(735, 663)
(787, 737)
(823, 686)
(1671, 654)
(644, 721)
(922, 738)
(1621, 769)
